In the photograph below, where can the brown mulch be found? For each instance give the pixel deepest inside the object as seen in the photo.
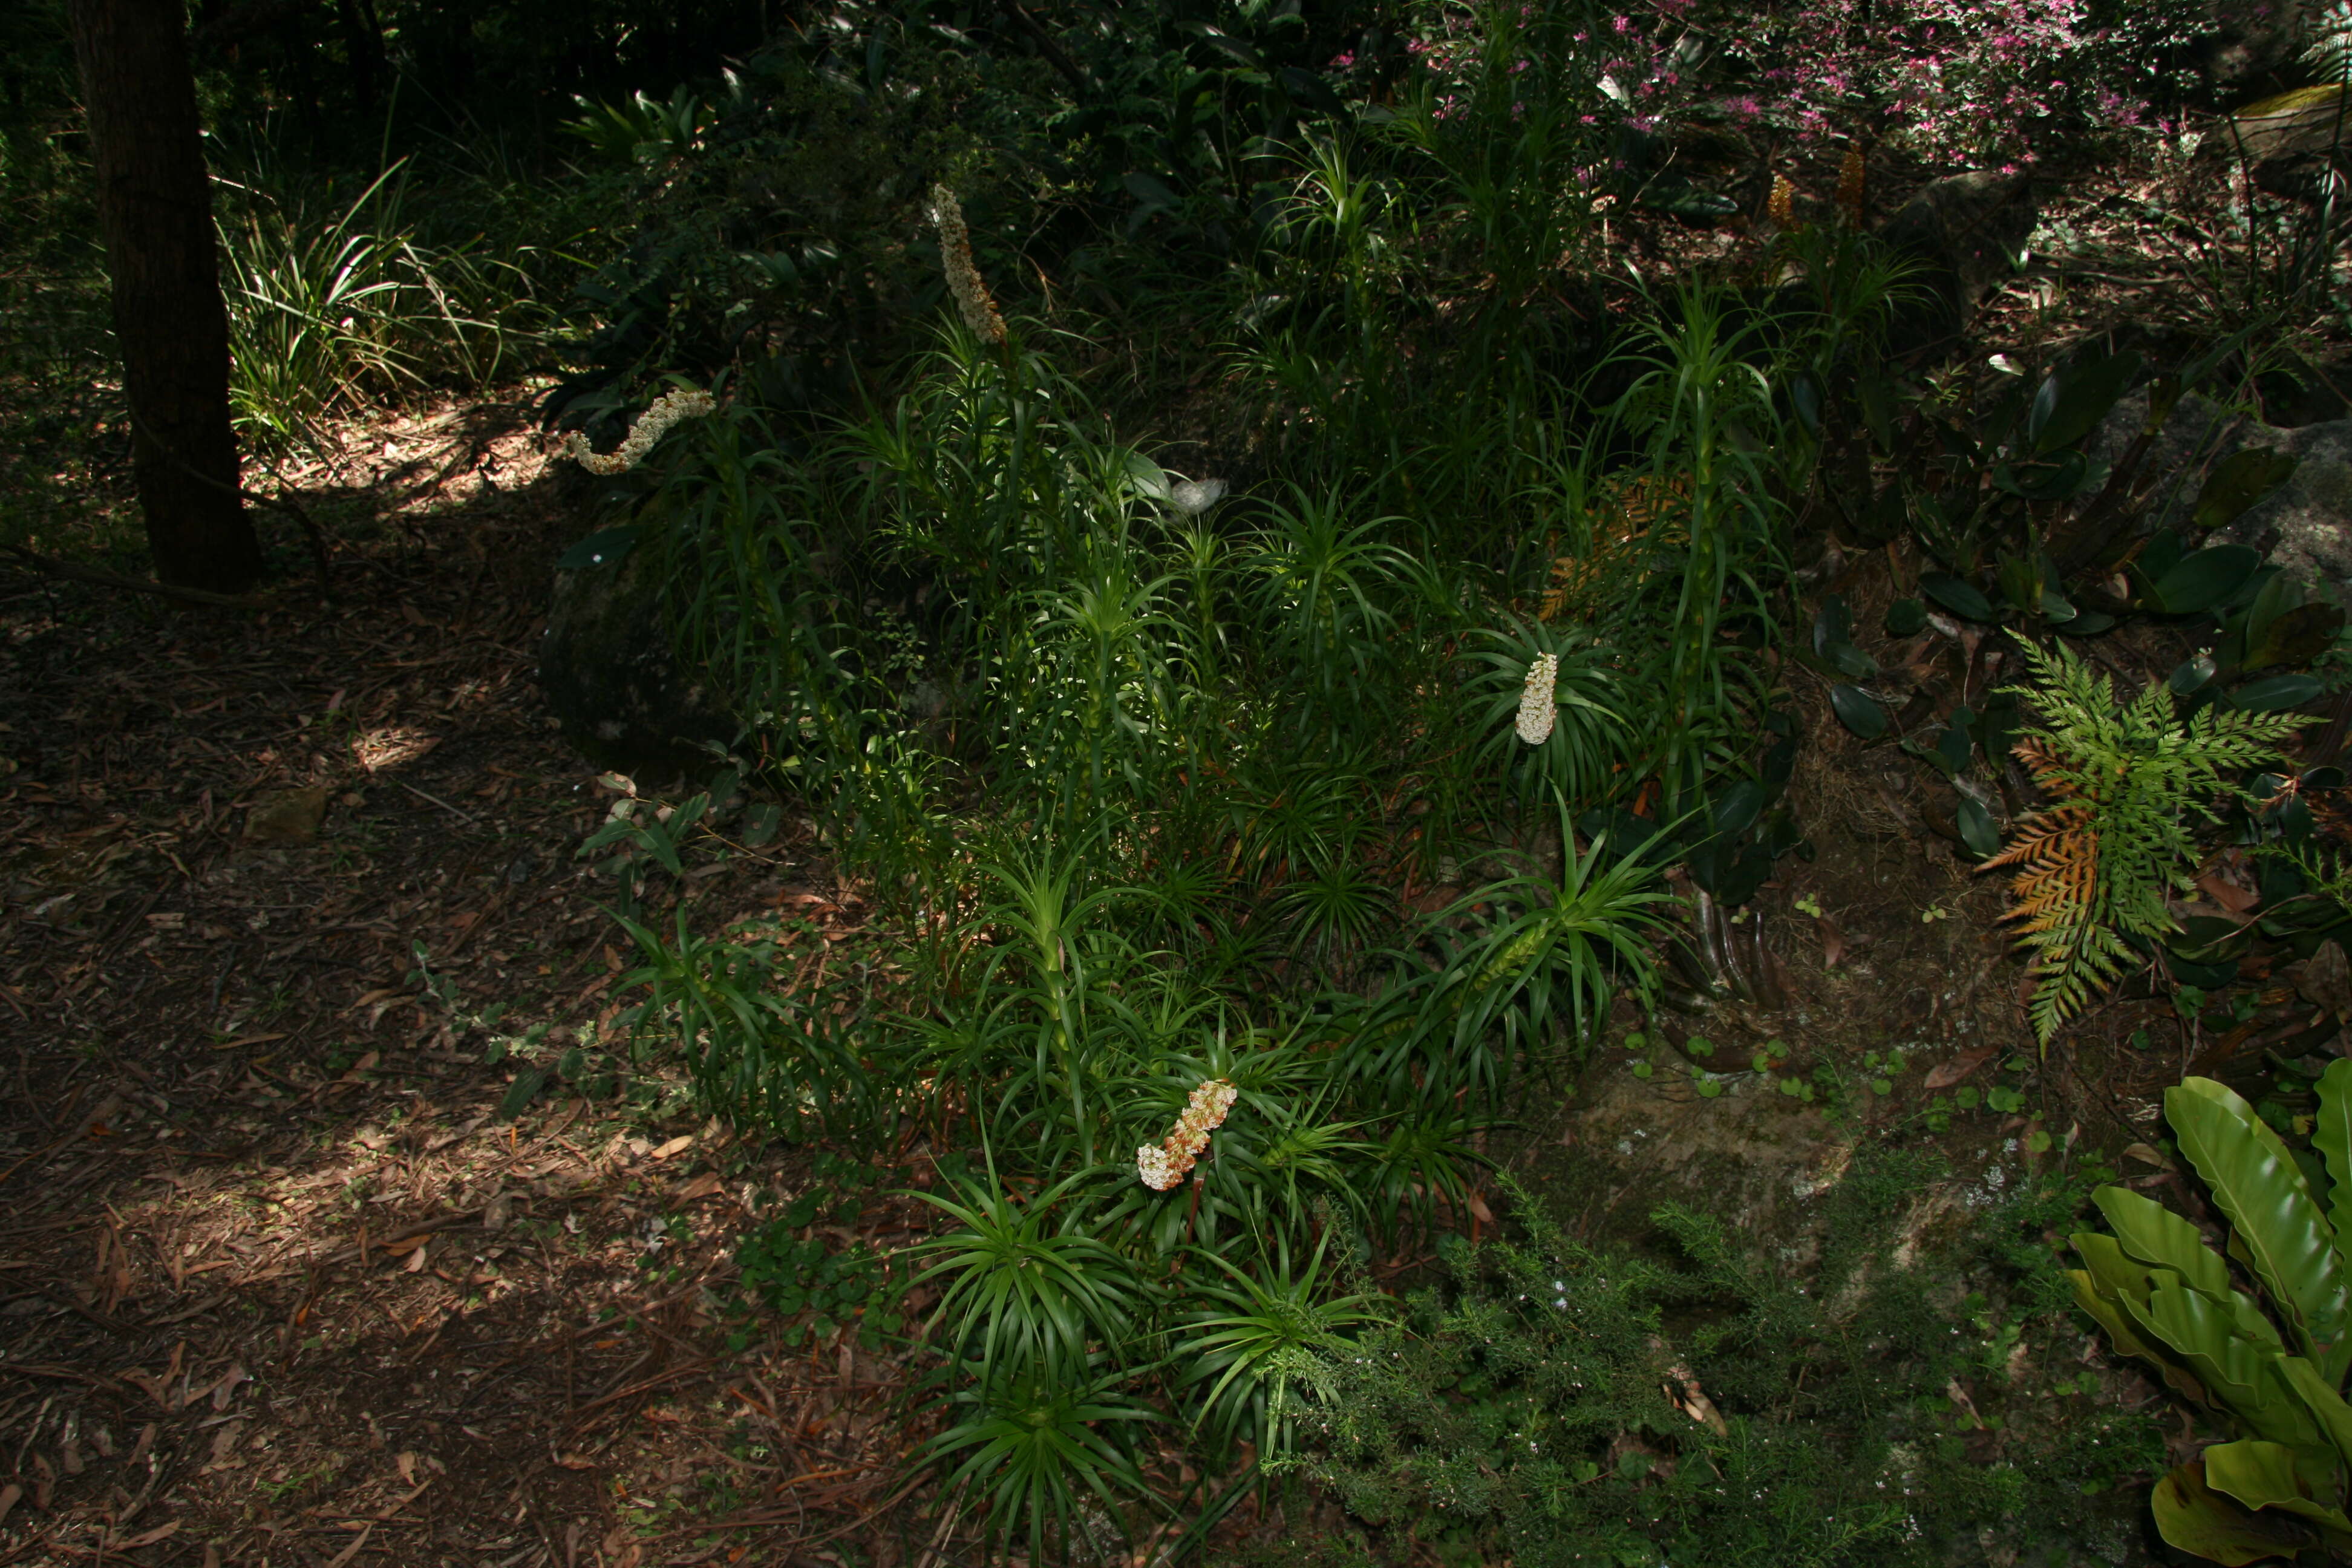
(278, 1283)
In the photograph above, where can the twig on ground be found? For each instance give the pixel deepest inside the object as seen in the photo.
(92, 574)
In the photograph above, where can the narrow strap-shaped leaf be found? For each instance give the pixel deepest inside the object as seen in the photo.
(2260, 1188)
(2154, 1234)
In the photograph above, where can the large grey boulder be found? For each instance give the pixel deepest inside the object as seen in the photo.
(624, 698)
(2306, 525)
(2256, 47)
(1961, 235)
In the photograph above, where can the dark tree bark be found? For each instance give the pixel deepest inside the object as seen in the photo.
(363, 42)
(154, 207)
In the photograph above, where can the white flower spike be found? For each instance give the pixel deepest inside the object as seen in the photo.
(668, 410)
(1166, 1165)
(1537, 710)
(964, 282)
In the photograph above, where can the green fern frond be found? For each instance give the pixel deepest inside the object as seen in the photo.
(2331, 43)
(2097, 865)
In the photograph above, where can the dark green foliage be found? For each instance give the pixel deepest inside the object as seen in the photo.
(1530, 1406)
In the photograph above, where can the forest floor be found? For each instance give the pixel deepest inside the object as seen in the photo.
(278, 1284)
(293, 1270)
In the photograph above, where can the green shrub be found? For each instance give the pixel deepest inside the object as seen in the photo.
(1557, 1404)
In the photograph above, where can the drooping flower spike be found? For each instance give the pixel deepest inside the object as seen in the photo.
(651, 425)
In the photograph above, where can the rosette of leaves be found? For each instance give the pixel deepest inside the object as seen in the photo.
(2269, 1361)
(1586, 743)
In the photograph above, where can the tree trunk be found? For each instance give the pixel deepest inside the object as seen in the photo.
(154, 207)
(363, 42)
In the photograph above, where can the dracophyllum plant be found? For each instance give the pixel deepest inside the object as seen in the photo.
(1699, 404)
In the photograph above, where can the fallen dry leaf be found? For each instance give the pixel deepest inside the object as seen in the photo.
(2228, 894)
(1832, 941)
(1951, 1072)
(348, 1552)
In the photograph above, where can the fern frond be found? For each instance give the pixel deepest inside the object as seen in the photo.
(2096, 864)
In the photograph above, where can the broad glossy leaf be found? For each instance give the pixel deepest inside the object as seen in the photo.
(1149, 190)
(1833, 624)
(2205, 579)
(1688, 202)
(1737, 807)
(1889, 514)
(1963, 599)
(2020, 578)
(1875, 398)
(1852, 662)
(1906, 618)
(521, 1092)
(2195, 1519)
(2154, 1234)
(1148, 477)
(2315, 1386)
(2331, 1134)
(2294, 637)
(2258, 1474)
(2273, 1477)
(1996, 727)
(1232, 49)
(1954, 745)
(2190, 673)
(2088, 623)
(2103, 1290)
(1308, 90)
(2210, 939)
(2070, 406)
(1858, 711)
(2204, 976)
(2161, 553)
(2244, 477)
(2054, 480)
(1975, 826)
(1805, 397)
(2273, 692)
(2259, 1186)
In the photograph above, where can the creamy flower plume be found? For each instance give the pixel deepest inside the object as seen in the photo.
(1165, 1164)
(1537, 710)
(972, 295)
(667, 411)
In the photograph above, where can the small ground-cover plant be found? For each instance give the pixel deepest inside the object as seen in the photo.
(1563, 1406)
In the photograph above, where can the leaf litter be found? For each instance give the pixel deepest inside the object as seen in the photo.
(277, 1282)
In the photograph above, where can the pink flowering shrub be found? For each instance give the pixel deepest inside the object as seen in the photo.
(1955, 81)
